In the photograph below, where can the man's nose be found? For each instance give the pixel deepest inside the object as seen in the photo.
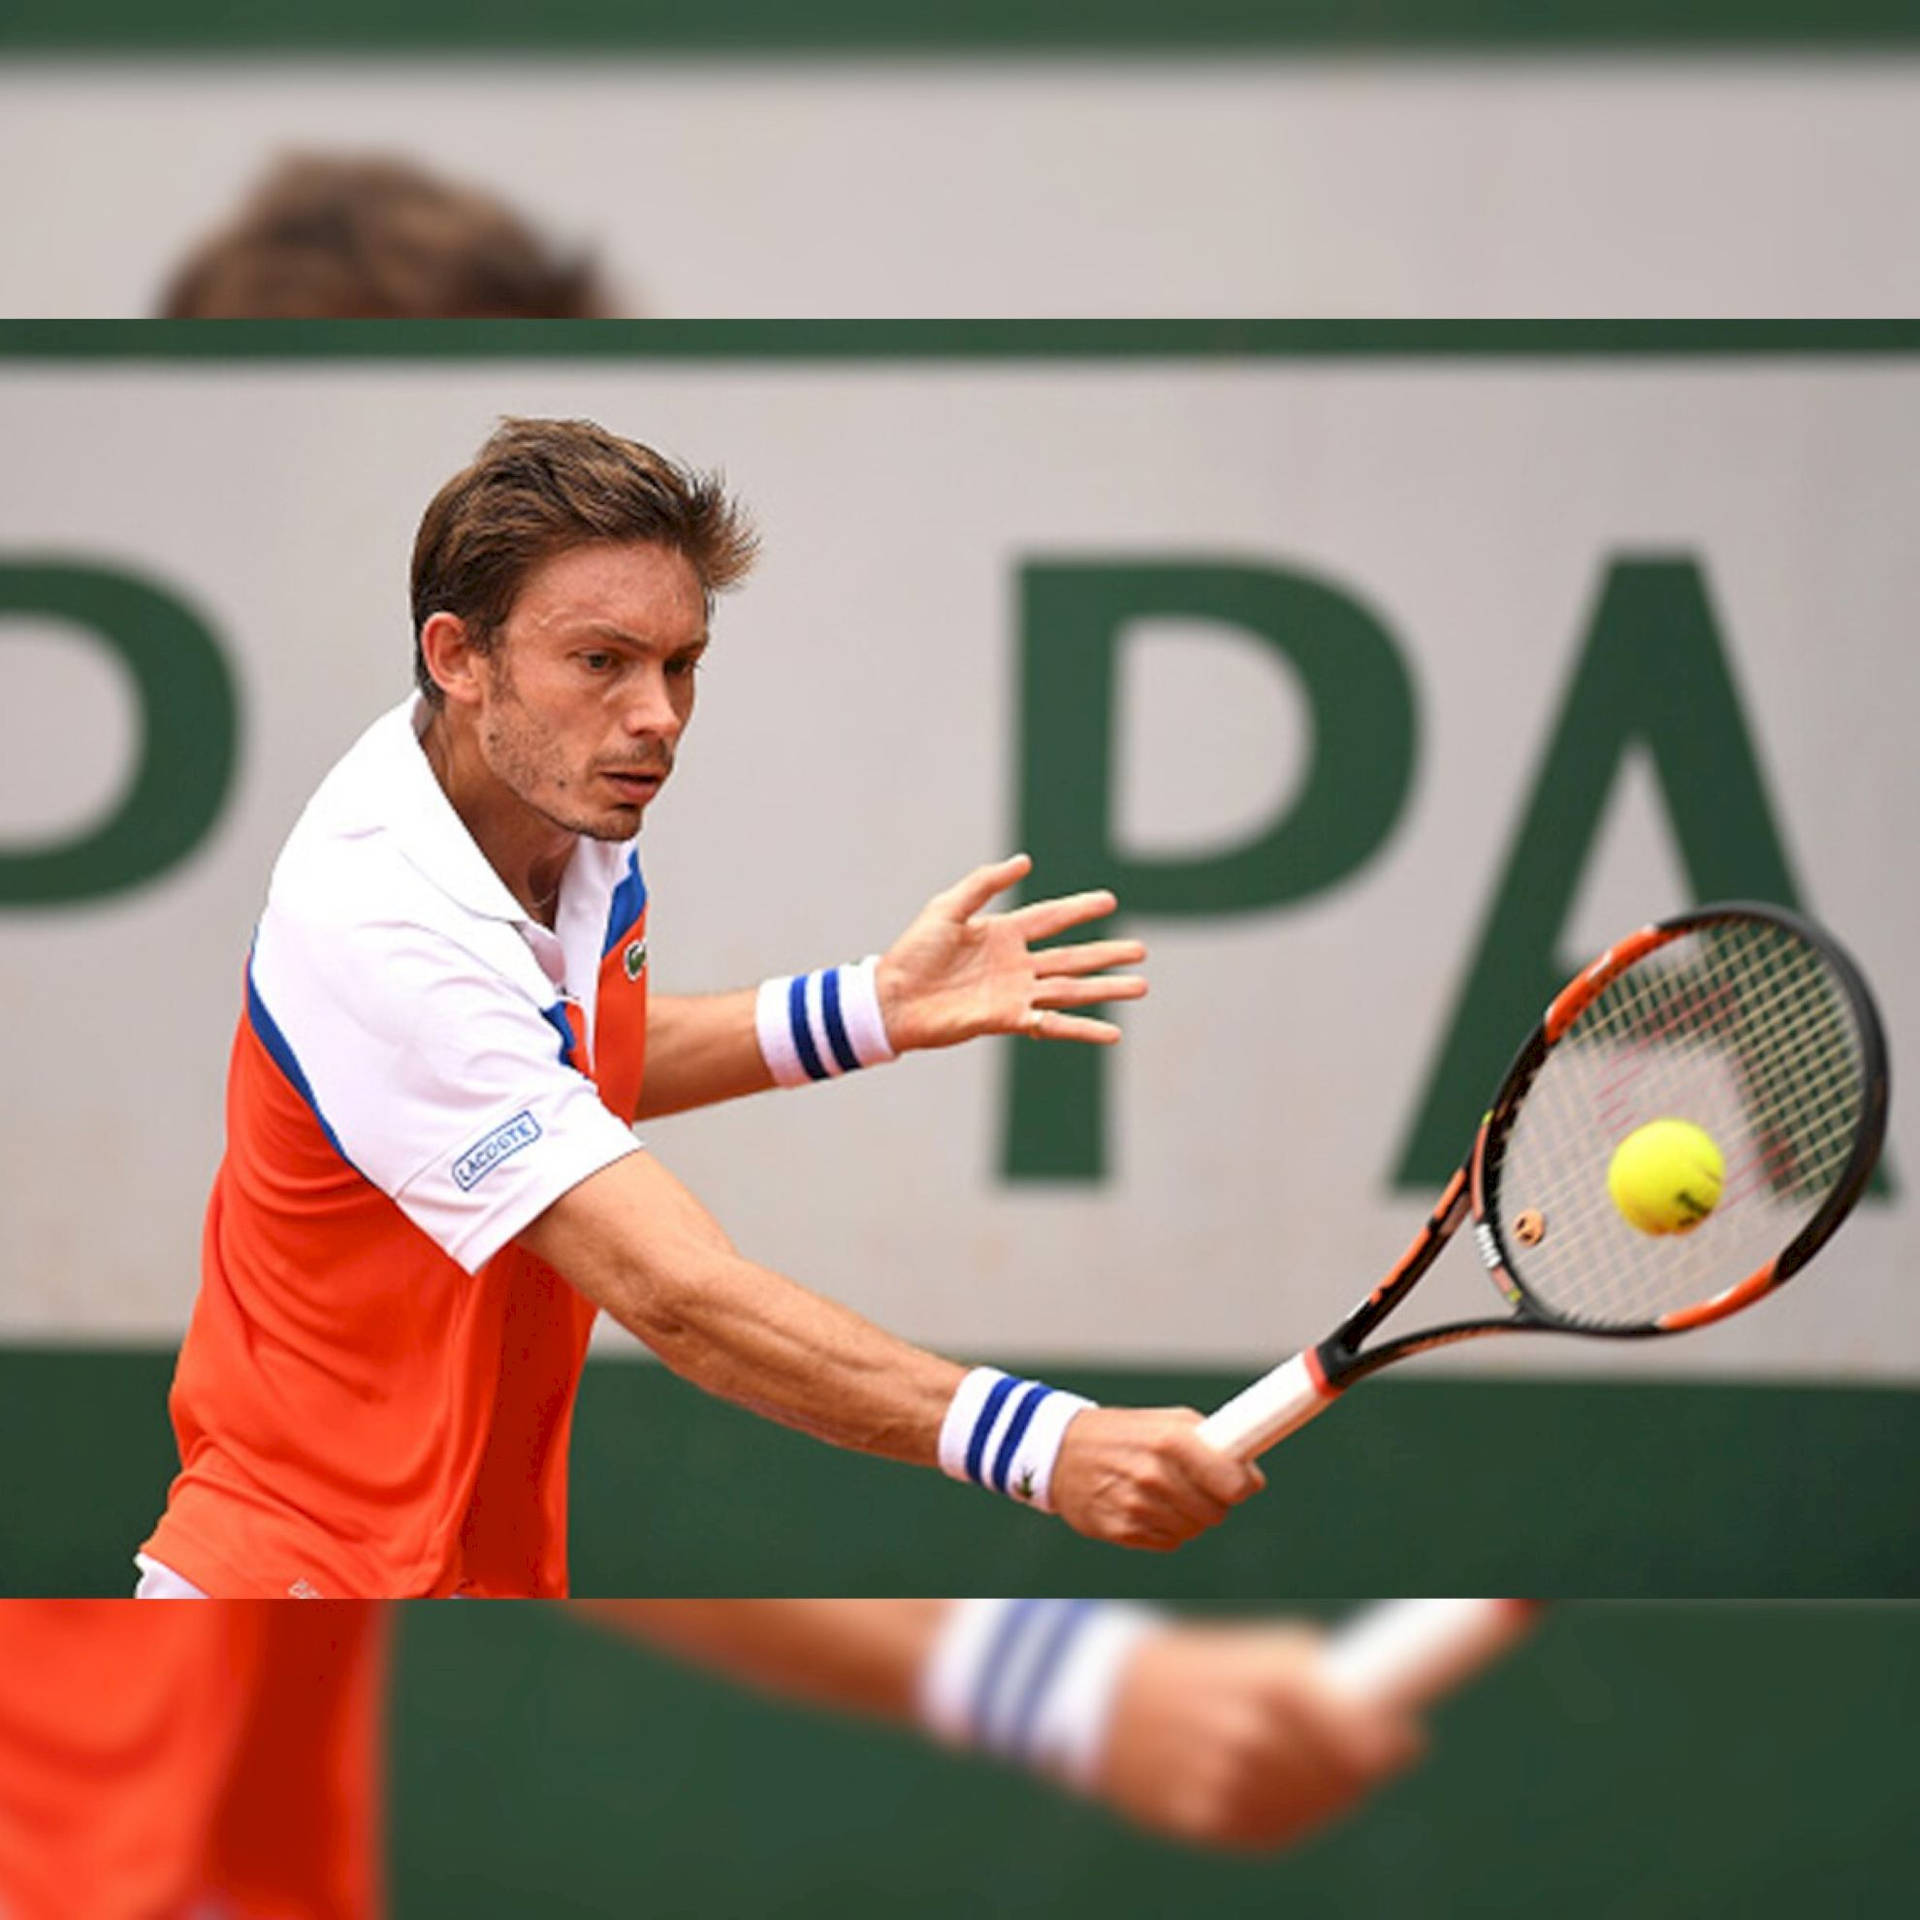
(651, 710)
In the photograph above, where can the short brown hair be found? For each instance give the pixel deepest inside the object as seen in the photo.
(328, 237)
(539, 487)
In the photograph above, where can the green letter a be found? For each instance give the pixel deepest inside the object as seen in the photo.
(1653, 674)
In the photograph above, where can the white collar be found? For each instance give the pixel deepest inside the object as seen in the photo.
(415, 810)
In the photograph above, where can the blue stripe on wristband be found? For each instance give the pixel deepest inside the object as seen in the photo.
(1063, 1630)
(821, 1025)
(993, 1668)
(1016, 1429)
(1033, 1681)
(836, 1027)
(802, 1031)
(983, 1427)
(1005, 1434)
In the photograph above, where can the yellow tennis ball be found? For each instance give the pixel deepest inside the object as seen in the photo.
(1665, 1177)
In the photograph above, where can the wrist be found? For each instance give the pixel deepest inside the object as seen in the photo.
(886, 993)
(821, 1025)
(1006, 1434)
(1034, 1681)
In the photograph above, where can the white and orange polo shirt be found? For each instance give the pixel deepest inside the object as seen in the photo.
(377, 1386)
(187, 1762)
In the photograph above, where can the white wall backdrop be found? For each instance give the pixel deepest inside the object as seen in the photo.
(1458, 185)
(855, 750)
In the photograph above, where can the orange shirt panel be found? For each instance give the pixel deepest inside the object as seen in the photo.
(338, 1376)
(158, 1755)
(356, 1414)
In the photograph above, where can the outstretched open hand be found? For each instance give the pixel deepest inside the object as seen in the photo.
(959, 971)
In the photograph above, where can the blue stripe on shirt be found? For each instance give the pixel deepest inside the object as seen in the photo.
(628, 904)
(556, 1017)
(282, 1054)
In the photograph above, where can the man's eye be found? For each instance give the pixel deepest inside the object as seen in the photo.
(684, 669)
(596, 662)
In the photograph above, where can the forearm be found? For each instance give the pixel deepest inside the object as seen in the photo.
(787, 1031)
(862, 1656)
(1225, 1736)
(750, 1335)
(634, 1241)
(701, 1049)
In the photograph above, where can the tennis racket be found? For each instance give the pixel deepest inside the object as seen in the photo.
(1743, 1020)
(1407, 1653)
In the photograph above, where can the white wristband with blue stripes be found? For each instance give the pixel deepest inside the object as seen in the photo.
(1005, 1434)
(817, 1026)
(1032, 1680)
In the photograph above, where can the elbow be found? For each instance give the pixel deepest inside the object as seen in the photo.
(663, 1311)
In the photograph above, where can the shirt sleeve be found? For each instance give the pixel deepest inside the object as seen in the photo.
(435, 1069)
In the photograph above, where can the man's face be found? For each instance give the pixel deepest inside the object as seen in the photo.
(590, 684)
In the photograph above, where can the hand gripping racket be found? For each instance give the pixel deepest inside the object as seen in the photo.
(1742, 1020)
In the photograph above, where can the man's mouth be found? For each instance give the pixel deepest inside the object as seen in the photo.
(635, 783)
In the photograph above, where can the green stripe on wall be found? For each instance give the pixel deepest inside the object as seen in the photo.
(1595, 1488)
(893, 341)
(973, 26)
(1644, 1762)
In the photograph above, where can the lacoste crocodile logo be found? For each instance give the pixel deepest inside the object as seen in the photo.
(635, 959)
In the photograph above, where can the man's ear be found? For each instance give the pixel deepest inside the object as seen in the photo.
(446, 645)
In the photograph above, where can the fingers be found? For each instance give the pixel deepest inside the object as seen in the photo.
(1059, 991)
(1308, 1754)
(1219, 1475)
(1361, 1741)
(1142, 1477)
(1068, 1026)
(1191, 1493)
(1092, 956)
(1230, 1736)
(966, 897)
(1039, 919)
(1377, 1741)
(1042, 919)
(1090, 993)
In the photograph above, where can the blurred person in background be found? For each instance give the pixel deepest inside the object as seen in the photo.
(170, 1763)
(376, 237)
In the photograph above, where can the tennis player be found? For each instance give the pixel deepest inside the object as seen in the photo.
(432, 1185)
(174, 1763)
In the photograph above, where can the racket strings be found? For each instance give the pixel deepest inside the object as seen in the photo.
(1740, 1028)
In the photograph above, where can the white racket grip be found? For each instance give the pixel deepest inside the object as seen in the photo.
(1407, 1653)
(1277, 1404)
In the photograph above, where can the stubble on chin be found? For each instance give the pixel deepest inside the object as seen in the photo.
(535, 768)
(621, 826)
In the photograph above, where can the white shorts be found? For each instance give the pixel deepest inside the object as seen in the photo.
(162, 1583)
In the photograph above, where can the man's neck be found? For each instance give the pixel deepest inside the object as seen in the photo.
(528, 852)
